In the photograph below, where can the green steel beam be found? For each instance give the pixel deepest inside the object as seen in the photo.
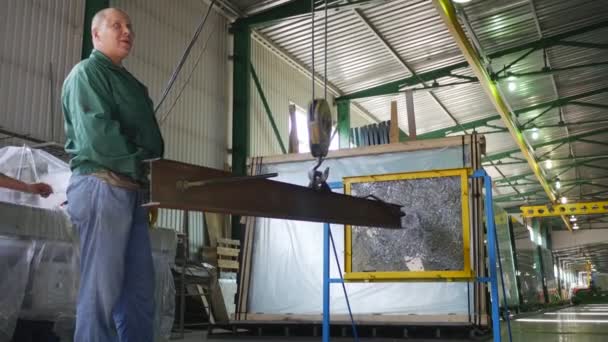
(455, 129)
(561, 101)
(571, 138)
(296, 8)
(267, 109)
(549, 71)
(569, 124)
(584, 45)
(587, 104)
(395, 86)
(483, 122)
(344, 123)
(594, 142)
(240, 91)
(561, 167)
(91, 7)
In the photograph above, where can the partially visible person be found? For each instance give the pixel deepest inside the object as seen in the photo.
(42, 189)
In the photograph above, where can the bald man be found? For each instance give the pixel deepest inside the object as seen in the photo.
(110, 129)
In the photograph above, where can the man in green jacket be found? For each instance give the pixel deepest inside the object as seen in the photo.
(110, 129)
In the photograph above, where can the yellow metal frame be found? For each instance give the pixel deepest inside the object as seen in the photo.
(581, 208)
(465, 273)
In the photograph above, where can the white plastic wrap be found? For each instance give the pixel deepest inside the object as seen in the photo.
(288, 258)
(34, 166)
(39, 261)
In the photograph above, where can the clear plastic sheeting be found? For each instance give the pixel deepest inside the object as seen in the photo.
(288, 257)
(34, 166)
(15, 259)
(503, 237)
(39, 259)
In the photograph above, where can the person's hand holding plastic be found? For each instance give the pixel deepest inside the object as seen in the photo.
(42, 189)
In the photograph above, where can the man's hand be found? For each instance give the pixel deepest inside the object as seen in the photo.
(42, 189)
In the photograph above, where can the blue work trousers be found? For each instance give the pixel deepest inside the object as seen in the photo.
(116, 296)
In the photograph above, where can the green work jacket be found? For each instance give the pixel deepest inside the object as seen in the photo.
(109, 120)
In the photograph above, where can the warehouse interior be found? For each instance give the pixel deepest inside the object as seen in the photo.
(332, 169)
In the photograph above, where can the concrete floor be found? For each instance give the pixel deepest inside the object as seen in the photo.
(588, 323)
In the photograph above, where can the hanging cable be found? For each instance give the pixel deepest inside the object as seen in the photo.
(185, 55)
(325, 55)
(312, 71)
(179, 94)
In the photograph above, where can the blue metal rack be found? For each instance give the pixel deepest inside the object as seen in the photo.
(492, 279)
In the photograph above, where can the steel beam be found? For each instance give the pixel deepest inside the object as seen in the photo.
(571, 138)
(241, 93)
(267, 109)
(261, 198)
(298, 8)
(580, 208)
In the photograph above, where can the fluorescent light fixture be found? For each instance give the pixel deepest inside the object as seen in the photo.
(549, 164)
(573, 218)
(461, 1)
(564, 200)
(558, 184)
(512, 86)
(535, 133)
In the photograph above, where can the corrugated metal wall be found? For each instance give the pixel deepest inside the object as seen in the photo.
(40, 41)
(195, 130)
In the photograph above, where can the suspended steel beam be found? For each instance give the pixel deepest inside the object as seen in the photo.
(580, 208)
(223, 193)
(448, 14)
(561, 167)
(395, 86)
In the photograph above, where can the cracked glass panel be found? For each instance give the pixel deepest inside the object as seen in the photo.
(431, 238)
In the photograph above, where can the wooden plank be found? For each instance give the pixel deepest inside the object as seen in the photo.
(225, 251)
(416, 145)
(229, 242)
(229, 264)
(394, 135)
(214, 223)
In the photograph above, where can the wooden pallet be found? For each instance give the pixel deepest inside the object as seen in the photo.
(228, 255)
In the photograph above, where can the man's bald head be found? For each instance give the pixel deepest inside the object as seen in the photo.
(112, 33)
(102, 14)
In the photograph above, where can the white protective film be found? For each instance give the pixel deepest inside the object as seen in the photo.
(288, 258)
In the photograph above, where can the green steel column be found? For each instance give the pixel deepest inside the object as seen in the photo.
(91, 7)
(240, 102)
(240, 107)
(344, 123)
